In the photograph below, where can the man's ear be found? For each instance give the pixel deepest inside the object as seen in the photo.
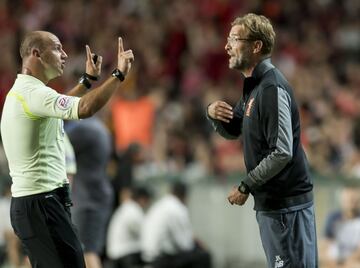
(35, 52)
(258, 44)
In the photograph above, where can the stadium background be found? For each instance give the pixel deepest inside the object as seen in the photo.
(180, 66)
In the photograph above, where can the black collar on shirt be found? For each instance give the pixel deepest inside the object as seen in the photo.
(249, 84)
(260, 69)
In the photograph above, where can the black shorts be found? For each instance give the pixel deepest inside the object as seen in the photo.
(43, 224)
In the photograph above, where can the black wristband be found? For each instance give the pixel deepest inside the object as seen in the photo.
(84, 80)
(91, 77)
(243, 188)
(118, 74)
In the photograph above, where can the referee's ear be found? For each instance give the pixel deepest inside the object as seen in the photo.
(35, 52)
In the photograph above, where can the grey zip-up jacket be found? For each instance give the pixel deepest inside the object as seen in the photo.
(267, 117)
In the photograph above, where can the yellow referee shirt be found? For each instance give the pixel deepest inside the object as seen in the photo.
(33, 135)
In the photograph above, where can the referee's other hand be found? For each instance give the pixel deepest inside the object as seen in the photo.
(93, 67)
(125, 58)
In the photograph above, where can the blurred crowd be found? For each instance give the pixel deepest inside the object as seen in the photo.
(157, 121)
(181, 66)
(339, 245)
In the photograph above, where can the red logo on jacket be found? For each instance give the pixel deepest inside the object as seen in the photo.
(249, 106)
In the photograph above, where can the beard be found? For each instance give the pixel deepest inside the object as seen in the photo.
(242, 62)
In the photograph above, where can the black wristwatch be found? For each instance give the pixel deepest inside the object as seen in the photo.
(84, 80)
(243, 188)
(118, 74)
(91, 77)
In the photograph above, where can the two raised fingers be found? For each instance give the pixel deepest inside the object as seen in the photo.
(90, 57)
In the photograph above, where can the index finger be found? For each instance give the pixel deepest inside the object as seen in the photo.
(88, 52)
(121, 46)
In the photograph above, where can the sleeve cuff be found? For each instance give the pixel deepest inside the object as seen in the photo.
(207, 113)
(75, 108)
(250, 183)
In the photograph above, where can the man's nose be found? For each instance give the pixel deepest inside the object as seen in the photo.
(227, 46)
(64, 55)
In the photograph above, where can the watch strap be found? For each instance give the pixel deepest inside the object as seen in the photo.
(84, 80)
(243, 188)
(118, 74)
(91, 77)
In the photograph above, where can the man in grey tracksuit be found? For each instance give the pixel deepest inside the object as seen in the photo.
(267, 118)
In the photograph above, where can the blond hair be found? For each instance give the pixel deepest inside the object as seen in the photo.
(259, 28)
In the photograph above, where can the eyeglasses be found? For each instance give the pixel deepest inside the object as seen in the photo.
(234, 39)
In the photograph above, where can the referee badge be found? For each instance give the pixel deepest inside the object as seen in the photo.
(64, 102)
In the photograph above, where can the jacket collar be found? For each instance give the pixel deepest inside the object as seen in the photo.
(261, 68)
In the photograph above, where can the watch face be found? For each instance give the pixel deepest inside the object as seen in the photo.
(242, 189)
(116, 72)
(85, 82)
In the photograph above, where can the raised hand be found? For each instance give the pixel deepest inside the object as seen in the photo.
(220, 110)
(93, 68)
(125, 58)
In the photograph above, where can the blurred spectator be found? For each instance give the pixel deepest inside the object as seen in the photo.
(70, 160)
(123, 236)
(133, 121)
(5, 225)
(125, 162)
(341, 244)
(167, 236)
(353, 163)
(4, 168)
(11, 250)
(91, 192)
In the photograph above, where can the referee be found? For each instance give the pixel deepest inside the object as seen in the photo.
(33, 138)
(267, 117)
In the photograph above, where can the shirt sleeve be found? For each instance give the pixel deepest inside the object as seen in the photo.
(275, 116)
(233, 129)
(46, 102)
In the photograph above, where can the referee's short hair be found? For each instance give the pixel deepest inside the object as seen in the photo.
(35, 39)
